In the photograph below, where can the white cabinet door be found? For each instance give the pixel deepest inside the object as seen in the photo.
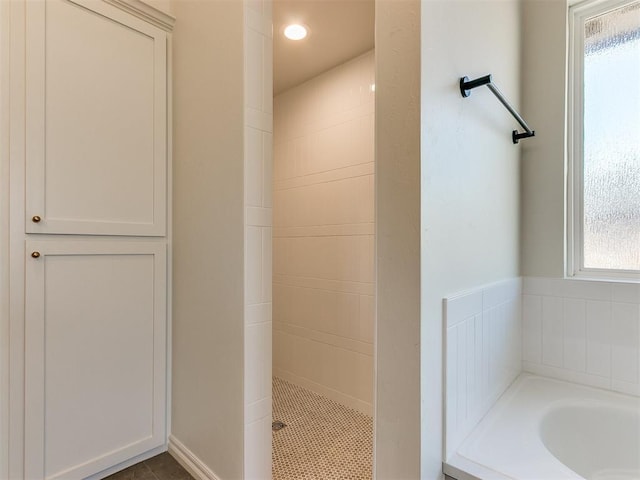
(96, 85)
(95, 331)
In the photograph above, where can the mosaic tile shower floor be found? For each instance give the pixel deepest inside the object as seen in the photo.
(323, 440)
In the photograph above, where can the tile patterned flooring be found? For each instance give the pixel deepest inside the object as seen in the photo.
(160, 467)
(323, 440)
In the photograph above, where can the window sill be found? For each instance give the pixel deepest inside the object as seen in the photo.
(614, 277)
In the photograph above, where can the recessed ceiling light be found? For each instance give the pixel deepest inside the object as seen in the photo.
(295, 31)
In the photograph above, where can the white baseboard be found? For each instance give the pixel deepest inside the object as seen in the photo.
(189, 461)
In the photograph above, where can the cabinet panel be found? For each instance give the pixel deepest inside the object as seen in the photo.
(95, 355)
(96, 120)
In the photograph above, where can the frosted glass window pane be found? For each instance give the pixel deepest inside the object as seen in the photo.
(612, 140)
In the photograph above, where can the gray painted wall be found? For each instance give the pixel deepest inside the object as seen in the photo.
(397, 426)
(208, 233)
(544, 54)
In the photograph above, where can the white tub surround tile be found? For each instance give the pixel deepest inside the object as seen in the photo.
(575, 342)
(552, 339)
(590, 332)
(483, 353)
(598, 338)
(625, 342)
(532, 329)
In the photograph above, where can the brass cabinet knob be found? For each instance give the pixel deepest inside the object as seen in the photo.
(35, 254)
(36, 219)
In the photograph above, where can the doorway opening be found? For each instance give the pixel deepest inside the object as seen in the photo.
(323, 240)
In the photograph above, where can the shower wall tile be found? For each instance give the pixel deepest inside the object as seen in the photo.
(257, 457)
(334, 371)
(258, 347)
(258, 179)
(343, 258)
(483, 353)
(590, 332)
(342, 314)
(344, 200)
(323, 234)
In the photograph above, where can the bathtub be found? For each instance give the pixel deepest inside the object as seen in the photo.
(545, 429)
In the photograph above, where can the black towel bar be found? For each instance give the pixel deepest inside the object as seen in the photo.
(467, 85)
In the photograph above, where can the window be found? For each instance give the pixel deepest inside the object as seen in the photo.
(604, 140)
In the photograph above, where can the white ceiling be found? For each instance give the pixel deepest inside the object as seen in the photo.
(340, 31)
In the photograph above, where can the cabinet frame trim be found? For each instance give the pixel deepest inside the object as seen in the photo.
(36, 126)
(35, 352)
(146, 12)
